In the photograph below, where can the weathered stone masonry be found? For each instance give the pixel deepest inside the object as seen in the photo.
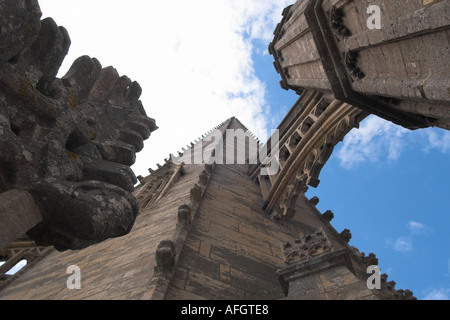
(206, 236)
(399, 72)
(203, 231)
(66, 144)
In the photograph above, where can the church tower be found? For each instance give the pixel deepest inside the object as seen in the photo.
(227, 217)
(211, 226)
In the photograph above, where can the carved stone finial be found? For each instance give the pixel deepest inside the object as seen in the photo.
(184, 214)
(208, 169)
(346, 235)
(370, 260)
(165, 256)
(203, 178)
(314, 201)
(196, 193)
(328, 215)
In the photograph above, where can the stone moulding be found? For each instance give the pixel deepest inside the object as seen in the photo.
(17, 251)
(155, 186)
(307, 247)
(307, 137)
(18, 214)
(305, 268)
(278, 34)
(288, 201)
(313, 150)
(348, 257)
(169, 249)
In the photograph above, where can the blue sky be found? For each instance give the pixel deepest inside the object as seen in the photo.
(390, 187)
(396, 207)
(200, 62)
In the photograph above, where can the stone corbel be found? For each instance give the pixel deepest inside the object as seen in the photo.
(328, 215)
(184, 215)
(346, 235)
(165, 257)
(287, 204)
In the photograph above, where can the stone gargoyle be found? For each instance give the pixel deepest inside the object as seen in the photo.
(70, 141)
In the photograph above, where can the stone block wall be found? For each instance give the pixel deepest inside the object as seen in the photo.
(233, 250)
(120, 268)
(407, 58)
(398, 70)
(207, 236)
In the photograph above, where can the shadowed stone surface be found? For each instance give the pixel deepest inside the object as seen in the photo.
(69, 142)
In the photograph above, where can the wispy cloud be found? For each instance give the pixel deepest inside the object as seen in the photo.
(403, 244)
(440, 293)
(375, 139)
(400, 244)
(378, 140)
(438, 139)
(417, 228)
(437, 294)
(193, 60)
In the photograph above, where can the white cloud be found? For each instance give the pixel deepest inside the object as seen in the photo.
(375, 139)
(378, 139)
(438, 139)
(417, 228)
(260, 16)
(403, 244)
(193, 60)
(437, 294)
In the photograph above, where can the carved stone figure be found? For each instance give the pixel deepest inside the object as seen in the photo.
(287, 205)
(307, 247)
(165, 257)
(69, 142)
